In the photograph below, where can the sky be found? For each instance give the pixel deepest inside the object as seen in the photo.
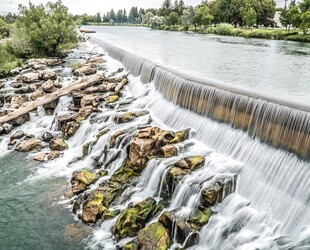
(90, 6)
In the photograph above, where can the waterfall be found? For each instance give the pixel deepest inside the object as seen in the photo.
(281, 123)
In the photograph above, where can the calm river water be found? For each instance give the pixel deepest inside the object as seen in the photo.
(276, 68)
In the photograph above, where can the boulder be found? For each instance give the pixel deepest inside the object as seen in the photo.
(111, 99)
(85, 70)
(92, 100)
(176, 225)
(7, 128)
(134, 218)
(47, 136)
(154, 236)
(18, 135)
(17, 101)
(81, 180)
(48, 156)
(129, 116)
(168, 151)
(58, 144)
(29, 145)
(38, 93)
(94, 208)
(48, 75)
(20, 119)
(48, 87)
(199, 217)
(28, 77)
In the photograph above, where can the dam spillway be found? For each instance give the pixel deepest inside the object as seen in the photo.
(284, 124)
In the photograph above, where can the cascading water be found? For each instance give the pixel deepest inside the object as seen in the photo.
(265, 189)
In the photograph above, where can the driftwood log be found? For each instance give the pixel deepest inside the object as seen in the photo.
(81, 83)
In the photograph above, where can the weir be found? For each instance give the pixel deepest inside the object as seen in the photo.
(281, 123)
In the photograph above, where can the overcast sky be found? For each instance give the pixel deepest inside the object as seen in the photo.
(91, 6)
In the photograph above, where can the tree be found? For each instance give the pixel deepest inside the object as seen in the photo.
(173, 18)
(305, 22)
(98, 17)
(202, 15)
(249, 17)
(156, 22)
(124, 19)
(166, 8)
(112, 15)
(187, 18)
(265, 10)
(133, 14)
(119, 16)
(49, 27)
(146, 18)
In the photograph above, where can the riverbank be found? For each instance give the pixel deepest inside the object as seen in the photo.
(228, 30)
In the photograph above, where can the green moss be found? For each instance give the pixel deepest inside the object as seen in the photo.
(131, 245)
(86, 177)
(76, 65)
(102, 132)
(107, 215)
(180, 136)
(199, 217)
(85, 148)
(195, 162)
(111, 99)
(133, 219)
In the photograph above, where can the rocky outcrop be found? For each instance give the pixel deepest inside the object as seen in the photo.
(81, 180)
(47, 156)
(134, 218)
(130, 116)
(29, 145)
(29, 77)
(58, 144)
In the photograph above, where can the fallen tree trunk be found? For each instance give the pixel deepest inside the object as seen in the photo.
(29, 106)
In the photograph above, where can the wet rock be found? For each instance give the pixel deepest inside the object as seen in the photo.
(2, 131)
(48, 75)
(199, 217)
(7, 128)
(29, 145)
(28, 77)
(15, 71)
(47, 136)
(38, 93)
(111, 99)
(130, 116)
(134, 218)
(58, 144)
(94, 208)
(81, 180)
(217, 191)
(168, 151)
(17, 101)
(69, 123)
(48, 87)
(175, 225)
(18, 135)
(154, 236)
(85, 70)
(92, 100)
(47, 156)
(76, 98)
(132, 245)
(50, 107)
(16, 84)
(183, 167)
(20, 119)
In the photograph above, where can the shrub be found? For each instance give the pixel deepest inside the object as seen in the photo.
(7, 61)
(48, 27)
(224, 29)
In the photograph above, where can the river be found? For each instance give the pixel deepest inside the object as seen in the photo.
(277, 68)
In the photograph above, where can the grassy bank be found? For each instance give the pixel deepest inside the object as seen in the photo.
(229, 30)
(7, 61)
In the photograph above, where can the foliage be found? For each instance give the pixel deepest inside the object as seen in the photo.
(249, 17)
(7, 61)
(48, 27)
(202, 15)
(224, 29)
(146, 18)
(156, 22)
(4, 29)
(305, 22)
(187, 18)
(19, 43)
(173, 18)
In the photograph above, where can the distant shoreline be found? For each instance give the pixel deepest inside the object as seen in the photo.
(262, 33)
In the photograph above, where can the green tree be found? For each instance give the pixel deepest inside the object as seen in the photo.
(4, 29)
(166, 8)
(146, 18)
(202, 15)
(294, 16)
(49, 27)
(124, 16)
(187, 18)
(305, 22)
(173, 18)
(98, 18)
(156, 22)
(119, 16)
(249, 17)
(112, 15)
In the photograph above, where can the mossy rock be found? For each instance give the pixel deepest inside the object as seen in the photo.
(111, 99)
(124, 174)
(107, 215)
(82, 179)
(130, 116)
(131, 245)
(102, 132)
(199, 217)
(180, 136)
(154, 236)
(133, 219)
(94, 209)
